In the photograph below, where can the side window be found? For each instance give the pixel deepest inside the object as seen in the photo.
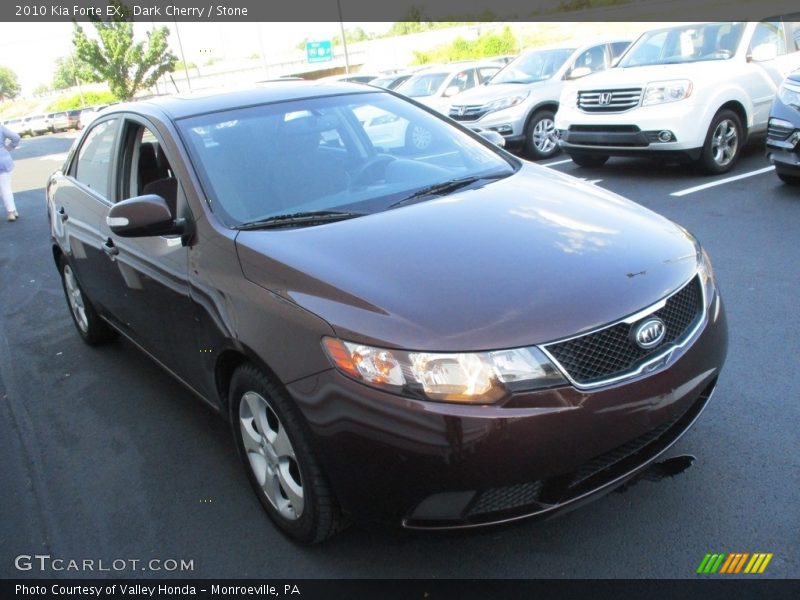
(464, 80)
(486, 73)
(793, 32)
(769, 33)
(593, 59)
(146, 167)
(93, 167)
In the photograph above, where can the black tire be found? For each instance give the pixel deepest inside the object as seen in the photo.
(590, 161)
(540, 140)
(92, 329)
(720, 152)
(788, 179)
(320, 516)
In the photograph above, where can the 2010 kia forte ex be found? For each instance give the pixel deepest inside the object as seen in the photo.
(437, 337)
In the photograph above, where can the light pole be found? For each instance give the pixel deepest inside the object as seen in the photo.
(344, 41)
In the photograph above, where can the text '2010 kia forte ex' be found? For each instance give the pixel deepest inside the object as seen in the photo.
(432, 338)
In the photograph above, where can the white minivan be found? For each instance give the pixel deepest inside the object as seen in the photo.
(692, 92)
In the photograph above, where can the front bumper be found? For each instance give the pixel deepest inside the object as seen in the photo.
(429, 465)
(632, 132)
(783, 142)
(509, 122)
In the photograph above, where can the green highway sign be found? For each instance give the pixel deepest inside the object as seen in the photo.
(319, 51)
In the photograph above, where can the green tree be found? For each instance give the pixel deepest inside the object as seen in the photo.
(67, 68)
(126, 65)
(9, 86)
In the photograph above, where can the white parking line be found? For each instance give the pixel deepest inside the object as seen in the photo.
(558, 162)
(705, 186)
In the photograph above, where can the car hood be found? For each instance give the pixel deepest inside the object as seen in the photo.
(699, 71)
(528, 259)
(488, 93)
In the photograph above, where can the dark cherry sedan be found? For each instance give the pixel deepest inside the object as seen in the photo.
(434, 335)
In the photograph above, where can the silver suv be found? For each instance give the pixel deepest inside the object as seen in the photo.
(520, 101)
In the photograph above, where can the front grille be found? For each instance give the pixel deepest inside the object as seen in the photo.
(610, 352)
(505, 498)
(607, 101)
(467, 113)
(778, 133)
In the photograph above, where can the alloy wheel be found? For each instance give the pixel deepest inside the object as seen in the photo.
(544, 135)
(75, 298)
(724, 142)
(271, 456)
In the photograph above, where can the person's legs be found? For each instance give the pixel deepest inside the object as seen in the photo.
(8, 195)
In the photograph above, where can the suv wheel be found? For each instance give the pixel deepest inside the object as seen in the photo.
(788, 179)
(272, 443)
(723, 143)
(92, 329)
(540, 135)
(589, 160)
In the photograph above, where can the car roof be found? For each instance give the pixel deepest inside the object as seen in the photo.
(180, 106)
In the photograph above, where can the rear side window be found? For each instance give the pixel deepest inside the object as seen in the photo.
(617, 48)
(93, 167)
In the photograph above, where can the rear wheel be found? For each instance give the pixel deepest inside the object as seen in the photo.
(540, 136)
(92, 329)
(281, 467)
(723, 143)
(788, 179)
(589, 160)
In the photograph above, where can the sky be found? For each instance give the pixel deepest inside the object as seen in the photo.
(31, 49)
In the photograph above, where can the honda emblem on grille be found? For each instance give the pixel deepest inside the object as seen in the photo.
(604, 98)
(650, 333)
(461, 110)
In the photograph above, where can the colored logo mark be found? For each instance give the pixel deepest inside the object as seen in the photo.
(735, 562)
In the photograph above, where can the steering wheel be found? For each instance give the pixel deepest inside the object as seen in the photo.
(366, 171)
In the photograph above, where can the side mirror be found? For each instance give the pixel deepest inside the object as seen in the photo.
(452, 91)
(763, 52)
(579, 72)
(144, 216)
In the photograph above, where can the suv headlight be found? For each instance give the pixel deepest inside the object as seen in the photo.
(472, 378)
(505, 102)
(660, 92)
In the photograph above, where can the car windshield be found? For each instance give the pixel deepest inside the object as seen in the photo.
(532, 66)
(354, 154)
(685, 44)
(422, 85)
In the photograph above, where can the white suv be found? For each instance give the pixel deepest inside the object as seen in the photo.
(695, 91)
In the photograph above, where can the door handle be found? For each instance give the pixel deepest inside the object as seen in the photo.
(63, 214)
(110, 249)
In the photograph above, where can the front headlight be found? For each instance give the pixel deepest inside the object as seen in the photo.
(505, 102)
(473, 378)
(789, 95)
(659, 92)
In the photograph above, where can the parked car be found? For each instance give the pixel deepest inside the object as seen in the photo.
(350, 78)
(391, 82)
(88, 115)
(74, 118)
(783, 131)
(435, 86)
(433, 340)
(35, 125)
(520, 102)
(58, 121)
(15, 125)
(692, 92)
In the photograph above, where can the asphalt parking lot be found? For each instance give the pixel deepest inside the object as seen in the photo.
(107, 457)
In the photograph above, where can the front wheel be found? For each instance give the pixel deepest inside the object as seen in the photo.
(723, 143)
(281, 467)
(589, 161)
(541, 140)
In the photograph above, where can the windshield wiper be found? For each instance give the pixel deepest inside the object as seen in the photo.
(446, 187)
(299, 218)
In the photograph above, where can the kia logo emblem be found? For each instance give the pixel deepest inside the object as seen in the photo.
(605, 98)
(650, 333)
